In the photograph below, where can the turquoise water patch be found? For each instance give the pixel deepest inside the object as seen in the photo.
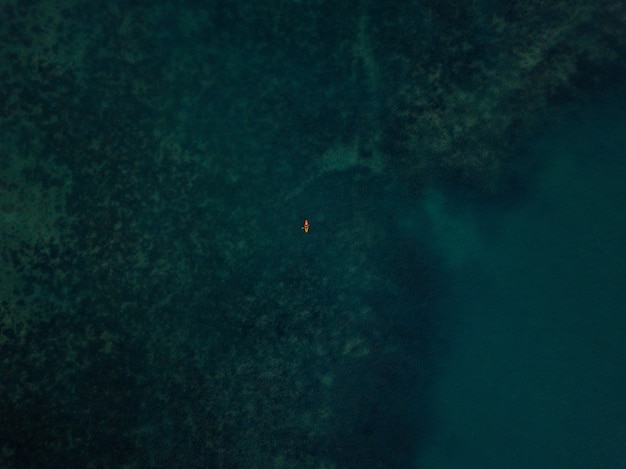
(536, 372)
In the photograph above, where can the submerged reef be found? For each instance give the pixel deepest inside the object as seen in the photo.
(476, 78)
(159, 304)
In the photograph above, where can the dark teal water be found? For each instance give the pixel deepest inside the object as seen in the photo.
(458, 301)
(536, 372)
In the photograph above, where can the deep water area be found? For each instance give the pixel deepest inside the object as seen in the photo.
(456, 301)
(535, 374)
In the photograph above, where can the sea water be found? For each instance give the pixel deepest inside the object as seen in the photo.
(535, 373)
